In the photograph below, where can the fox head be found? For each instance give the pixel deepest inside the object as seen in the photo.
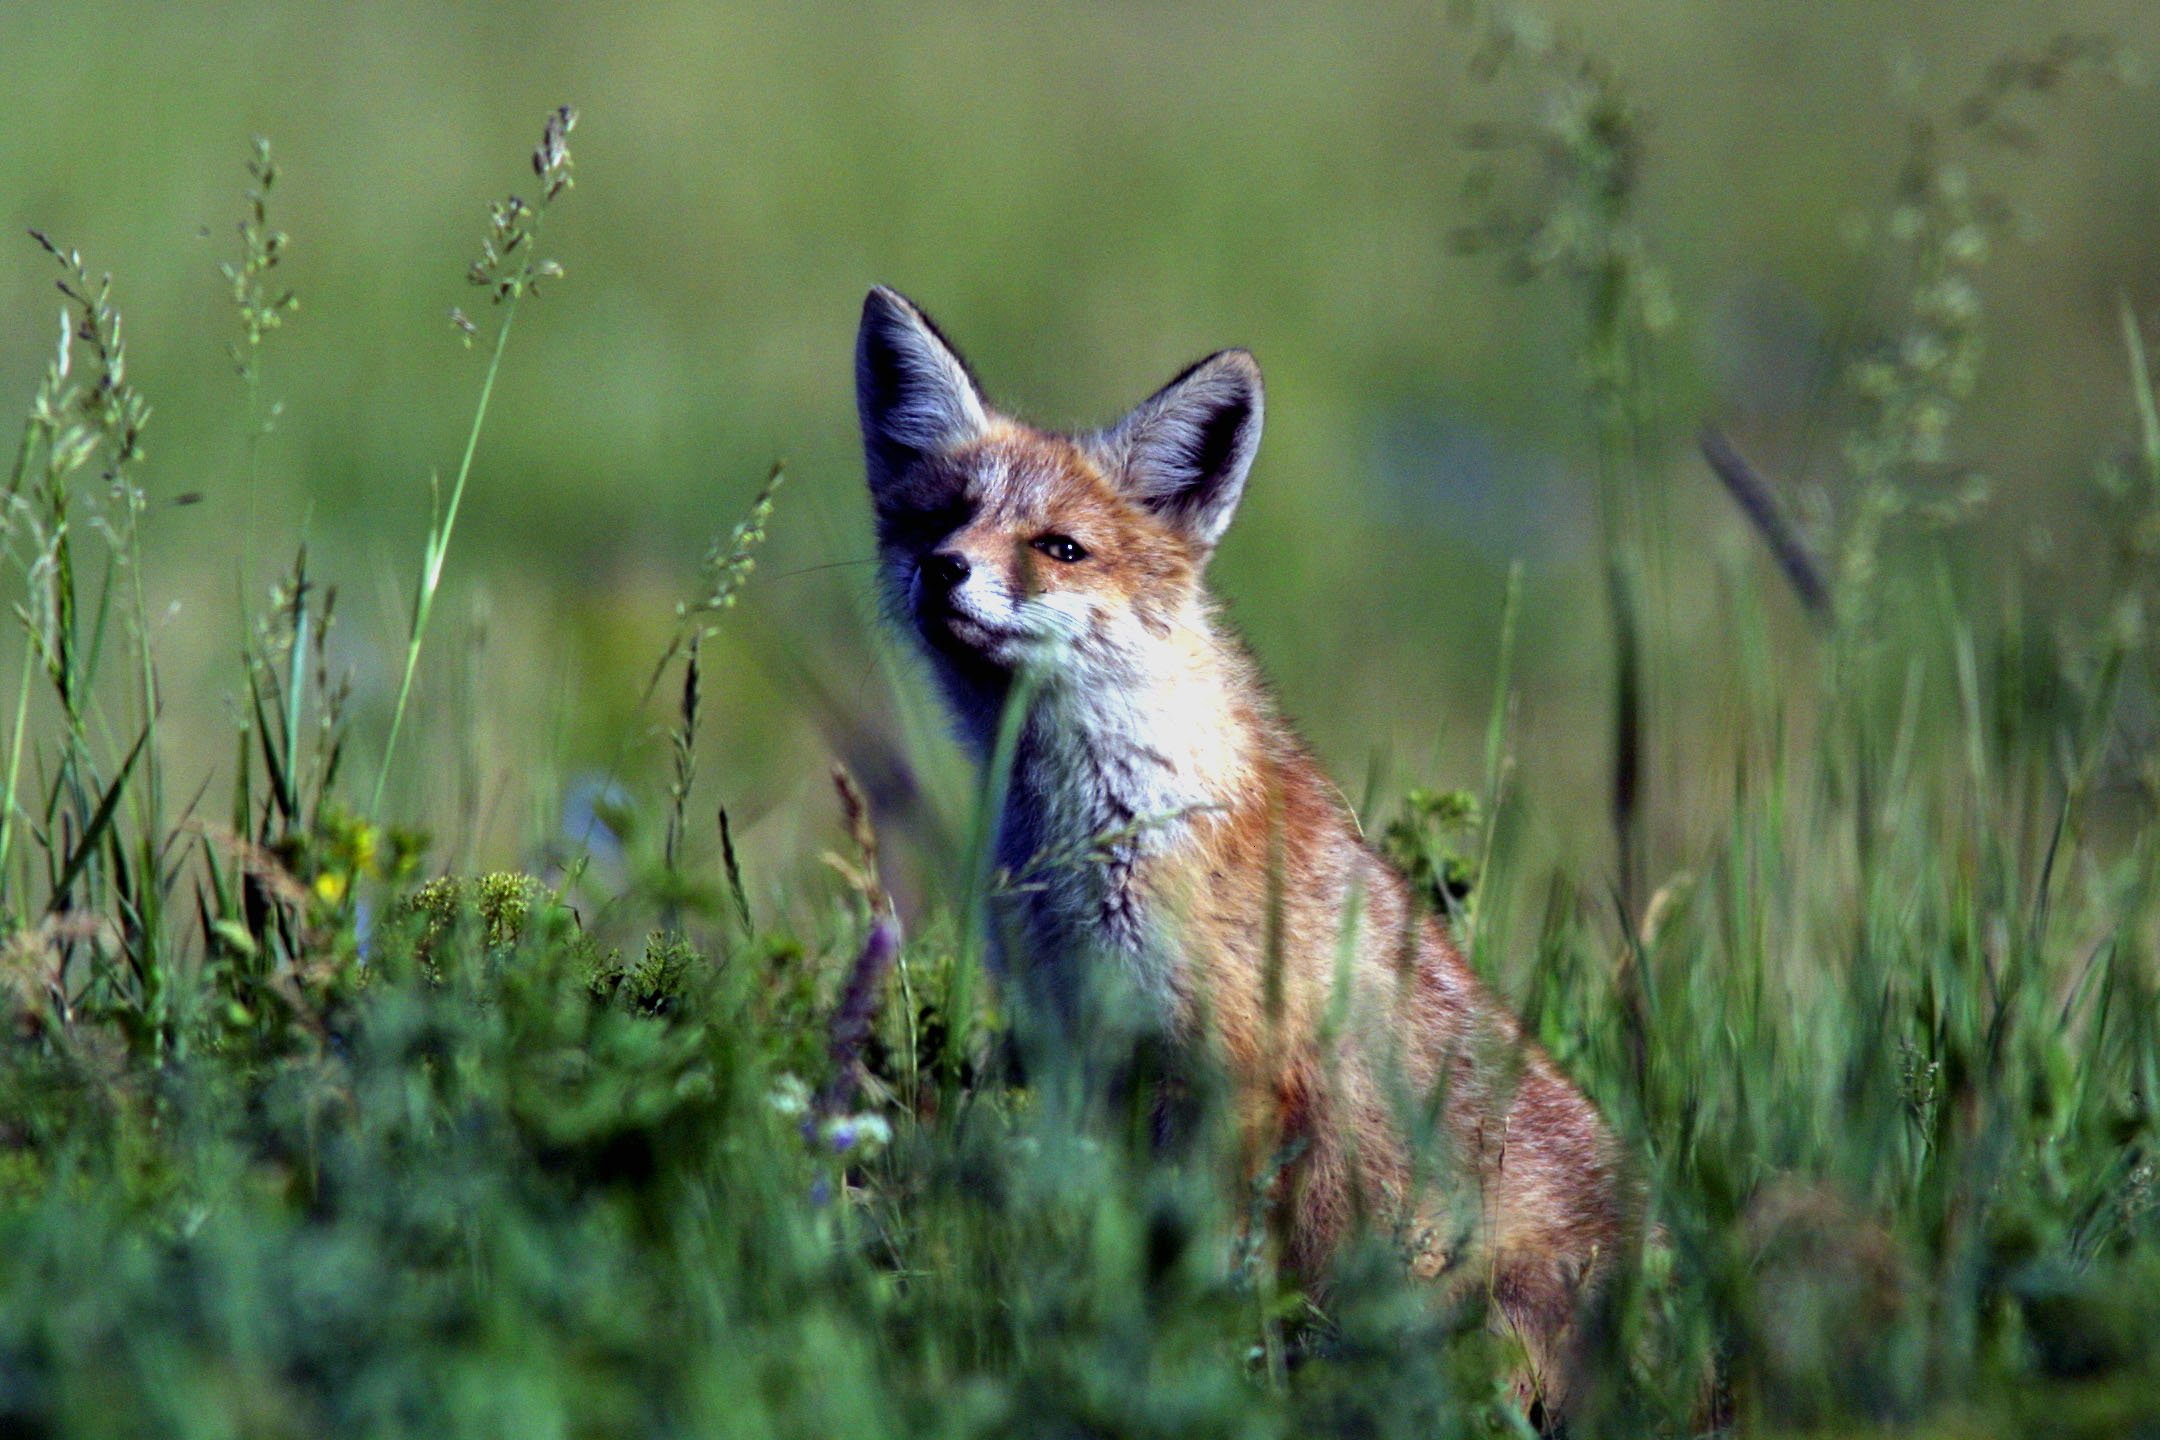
(1002, 545)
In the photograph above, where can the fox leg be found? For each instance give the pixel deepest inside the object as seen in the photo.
(1537, 1298)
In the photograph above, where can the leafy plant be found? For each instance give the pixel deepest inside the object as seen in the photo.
(348, 1147)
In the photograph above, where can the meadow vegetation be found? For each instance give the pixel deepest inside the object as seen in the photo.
(308, 1125)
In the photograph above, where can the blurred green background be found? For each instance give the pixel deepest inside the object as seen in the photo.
(1086, 197)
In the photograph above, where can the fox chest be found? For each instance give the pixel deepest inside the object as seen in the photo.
(1089, 832)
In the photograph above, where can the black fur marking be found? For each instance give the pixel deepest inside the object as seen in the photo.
(920, 530)
(1192, 439)
(881, 375)
(1216, 446)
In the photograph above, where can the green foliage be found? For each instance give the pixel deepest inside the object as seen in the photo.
(655, 981)
(325, 1147)
(1433, 842)
(509, 270)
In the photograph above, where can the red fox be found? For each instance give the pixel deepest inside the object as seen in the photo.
(1225, 876)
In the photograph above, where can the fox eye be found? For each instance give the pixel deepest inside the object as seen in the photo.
(1061, 548)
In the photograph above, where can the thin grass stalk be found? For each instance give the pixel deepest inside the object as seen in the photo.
(729, 564)
(296, 659)
(516, 226)
(261, 311)
(731, 869)
(1622, 479)
(149, 800)
(25, 453)
(15, 754)
(981, 855)
(437, 551)
(27, 447)
(682, 743)
(1478, 915)
(2141, 394)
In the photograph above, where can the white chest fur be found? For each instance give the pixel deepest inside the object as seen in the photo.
(1108, 776)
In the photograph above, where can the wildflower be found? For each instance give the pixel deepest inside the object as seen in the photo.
(844, 1133)
(789, 1096)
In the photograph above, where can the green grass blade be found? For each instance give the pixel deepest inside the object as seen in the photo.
(94, 832)
(2141, 392)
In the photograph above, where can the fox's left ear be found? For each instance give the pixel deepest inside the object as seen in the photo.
(1184, 452)
(915, 395)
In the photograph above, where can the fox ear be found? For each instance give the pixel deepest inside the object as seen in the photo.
(1184, 452)
(915, 395)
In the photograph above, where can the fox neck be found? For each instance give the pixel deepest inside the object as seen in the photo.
(1115, 764)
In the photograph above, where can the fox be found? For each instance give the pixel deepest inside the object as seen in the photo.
(1227, 883)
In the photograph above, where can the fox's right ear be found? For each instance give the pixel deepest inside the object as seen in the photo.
(1185, 451)
(915, 395)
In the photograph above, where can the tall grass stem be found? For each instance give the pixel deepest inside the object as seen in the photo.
(438, 549)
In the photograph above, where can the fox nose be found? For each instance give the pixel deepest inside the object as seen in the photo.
(945, 570)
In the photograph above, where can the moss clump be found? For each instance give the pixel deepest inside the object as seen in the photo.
(656, 981)
(1434, 841)
(490, 916)
(500, 902)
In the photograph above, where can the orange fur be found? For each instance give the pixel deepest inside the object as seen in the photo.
(1222, 861)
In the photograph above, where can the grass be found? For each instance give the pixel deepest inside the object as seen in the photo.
(294, 1140)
